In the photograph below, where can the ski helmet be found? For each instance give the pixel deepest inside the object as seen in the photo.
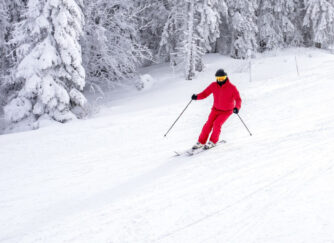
(220, 72)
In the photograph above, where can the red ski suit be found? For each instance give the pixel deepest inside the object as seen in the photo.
(226, 97)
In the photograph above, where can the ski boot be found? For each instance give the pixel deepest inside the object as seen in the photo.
(198, 145)
(209, 145)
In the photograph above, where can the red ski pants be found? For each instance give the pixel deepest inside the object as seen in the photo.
(214, 123)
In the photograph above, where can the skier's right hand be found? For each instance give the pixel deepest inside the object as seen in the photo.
(194, 97)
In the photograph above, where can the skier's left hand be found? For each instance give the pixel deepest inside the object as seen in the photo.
(235, 110)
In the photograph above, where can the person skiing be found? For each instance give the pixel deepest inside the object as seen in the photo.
(226, 101)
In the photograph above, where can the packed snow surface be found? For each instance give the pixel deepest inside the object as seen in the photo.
(113, 177)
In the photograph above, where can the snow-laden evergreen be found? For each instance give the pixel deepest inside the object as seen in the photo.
(208, 15)
(151, 16)
(49, 77)
(4, 24)
(175, 33)
(191, 29)
(270, 32)
(243, 27)
(10, 13)
(172, 32)
(111, 45)
(279, 24)
(3, 30)
(319, 21)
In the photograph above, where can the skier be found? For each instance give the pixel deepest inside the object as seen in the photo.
(226, 101)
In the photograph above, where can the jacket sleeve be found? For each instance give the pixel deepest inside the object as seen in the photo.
(205, 93)
(237, 99)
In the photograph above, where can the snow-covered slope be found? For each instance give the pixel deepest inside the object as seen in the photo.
(113, 178)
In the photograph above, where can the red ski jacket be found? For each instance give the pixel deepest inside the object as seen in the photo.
(226, 97)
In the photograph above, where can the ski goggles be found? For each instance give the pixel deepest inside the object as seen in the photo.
(221, 78)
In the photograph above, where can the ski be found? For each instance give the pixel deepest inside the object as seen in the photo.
(191, 152)
(197, 151)
(178, 153)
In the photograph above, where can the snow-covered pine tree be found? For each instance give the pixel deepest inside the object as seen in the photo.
(111, 45)
(48, 77)
(3, 32)
(294, 10)
(208, 18)
(173, 31)
(243, 27)
(188, 32)
(174, 34)
(278, 24)
(319, 22)
(190, 50)
(10, 14)
(270, 33)
(223, 42)
(151, 18)
(16, 12)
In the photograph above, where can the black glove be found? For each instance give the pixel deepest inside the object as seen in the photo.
(194, 97)
(235, 110)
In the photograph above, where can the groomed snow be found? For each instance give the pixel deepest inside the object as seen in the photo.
(113, 177)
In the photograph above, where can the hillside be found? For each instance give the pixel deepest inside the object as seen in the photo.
(113, 177)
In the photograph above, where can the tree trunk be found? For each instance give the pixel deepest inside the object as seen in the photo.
(190, 61)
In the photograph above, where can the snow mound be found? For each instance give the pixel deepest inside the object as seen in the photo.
(145, 83)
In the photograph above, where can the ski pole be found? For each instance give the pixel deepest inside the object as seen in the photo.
(178, 118)
(244, 125)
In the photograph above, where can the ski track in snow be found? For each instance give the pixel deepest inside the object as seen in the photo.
(113, 177)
